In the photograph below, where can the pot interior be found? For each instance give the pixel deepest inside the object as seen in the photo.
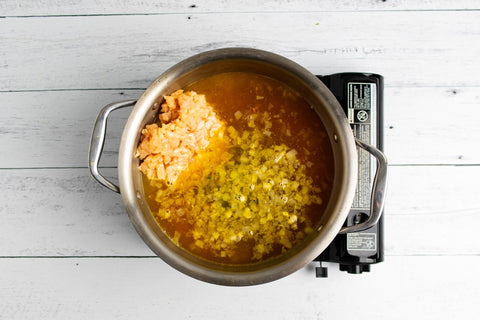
(329, 113)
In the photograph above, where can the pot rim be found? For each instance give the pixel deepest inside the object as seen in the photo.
(132, 197)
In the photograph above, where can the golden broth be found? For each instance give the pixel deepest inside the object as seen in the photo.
(261, 184)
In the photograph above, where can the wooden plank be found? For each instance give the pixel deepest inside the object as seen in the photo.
(432, 125)
(430, 210)
(433, 190)
(130, 51)
(63, 212)
(55, 7)
(53, 128)
(148, 289)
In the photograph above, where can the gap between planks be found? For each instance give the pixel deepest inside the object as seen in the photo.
(224, 12)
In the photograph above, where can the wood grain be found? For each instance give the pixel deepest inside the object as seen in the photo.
(67, 247)
(53, 128)
(66, 213)
(130, 51)
(91, 7)
(430, 211)
(432, 125)
(113, 288)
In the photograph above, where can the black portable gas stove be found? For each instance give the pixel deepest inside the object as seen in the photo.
(361, 96)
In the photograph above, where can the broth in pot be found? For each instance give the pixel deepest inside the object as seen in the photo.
(237, 169)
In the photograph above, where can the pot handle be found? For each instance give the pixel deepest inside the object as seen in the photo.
(379, 188)
(98, 139)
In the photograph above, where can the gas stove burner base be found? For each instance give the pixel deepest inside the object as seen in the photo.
(361, 96)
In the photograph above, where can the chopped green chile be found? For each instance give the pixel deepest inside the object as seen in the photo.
(261, 184)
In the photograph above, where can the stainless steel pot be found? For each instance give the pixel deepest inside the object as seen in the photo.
(329, 112)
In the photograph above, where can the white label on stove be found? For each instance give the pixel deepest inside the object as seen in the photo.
(362, 99)
(360, 241)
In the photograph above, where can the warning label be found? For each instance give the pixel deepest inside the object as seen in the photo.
(362, 118)
(362, 242)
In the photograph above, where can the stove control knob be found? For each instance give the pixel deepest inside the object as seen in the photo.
(321, 272)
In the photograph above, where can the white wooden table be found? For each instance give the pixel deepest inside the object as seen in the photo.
(67, 248)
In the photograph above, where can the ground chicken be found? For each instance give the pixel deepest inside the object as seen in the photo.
(187, 123)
